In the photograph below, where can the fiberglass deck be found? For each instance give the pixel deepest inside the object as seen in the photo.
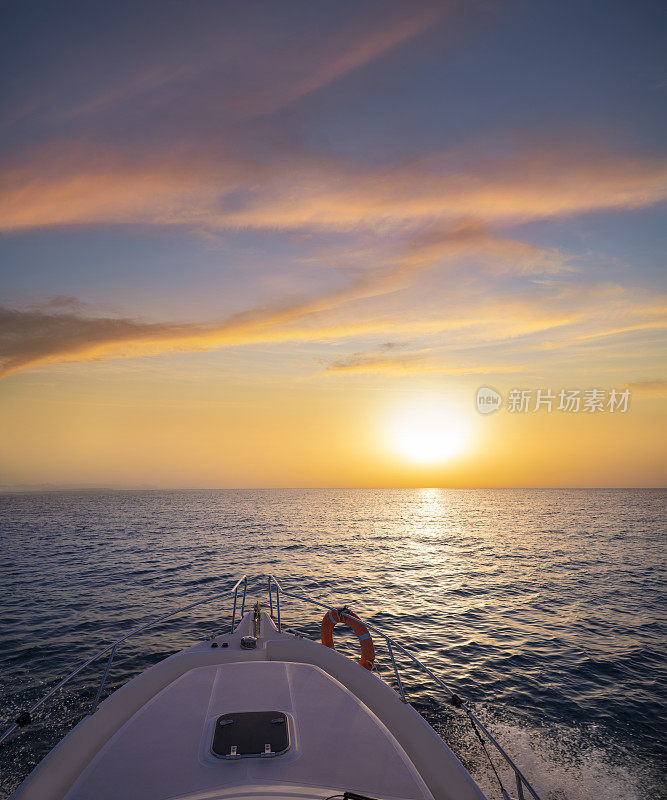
(335, 742)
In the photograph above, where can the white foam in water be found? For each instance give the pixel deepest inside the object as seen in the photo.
(562, 764)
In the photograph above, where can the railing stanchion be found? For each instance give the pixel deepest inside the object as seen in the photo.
(274, 582)
(519, 785)
(103, 681)
(280, 627)
(398, 677)
(244, 581)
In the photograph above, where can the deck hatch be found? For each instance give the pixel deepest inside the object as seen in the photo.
(251, 734)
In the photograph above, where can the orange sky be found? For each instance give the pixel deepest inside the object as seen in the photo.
(271, 250)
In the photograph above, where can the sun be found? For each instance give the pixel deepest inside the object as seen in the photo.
(429, 433)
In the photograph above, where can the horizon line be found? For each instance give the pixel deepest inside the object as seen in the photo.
(45, 488)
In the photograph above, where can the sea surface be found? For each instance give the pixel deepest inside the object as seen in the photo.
(544, 609)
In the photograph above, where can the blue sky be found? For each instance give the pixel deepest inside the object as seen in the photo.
(391, 190)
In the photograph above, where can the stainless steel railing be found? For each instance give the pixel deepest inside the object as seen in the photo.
(25, 718)
(244, 581)
(520, 780)
(274, 588)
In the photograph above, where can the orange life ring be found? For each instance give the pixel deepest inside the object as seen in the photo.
(348, 617)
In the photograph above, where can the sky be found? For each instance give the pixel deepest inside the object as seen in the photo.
(285, 244)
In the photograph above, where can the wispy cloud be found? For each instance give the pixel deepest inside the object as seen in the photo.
(548, 317)
(318, 194)
(337, 54)
(656, 388)
(208, 143)
(413, 365)
(60, 329)
(217, 68)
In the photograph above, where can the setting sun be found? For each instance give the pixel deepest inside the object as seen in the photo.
(429, 434)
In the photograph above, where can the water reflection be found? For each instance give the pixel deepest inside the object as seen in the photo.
(528, 601)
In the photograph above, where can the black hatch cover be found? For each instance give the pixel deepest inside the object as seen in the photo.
(246, 734)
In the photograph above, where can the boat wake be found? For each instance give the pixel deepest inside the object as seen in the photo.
(564, 764)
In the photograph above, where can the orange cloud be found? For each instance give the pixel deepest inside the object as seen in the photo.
(348, 51)
(412, 365)
(317, 193)
(651, 389)
(43, 335)
(33, 337)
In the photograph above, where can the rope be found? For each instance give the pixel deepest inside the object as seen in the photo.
(483, 743)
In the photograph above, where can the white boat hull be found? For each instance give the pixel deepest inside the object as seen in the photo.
(349, 731)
